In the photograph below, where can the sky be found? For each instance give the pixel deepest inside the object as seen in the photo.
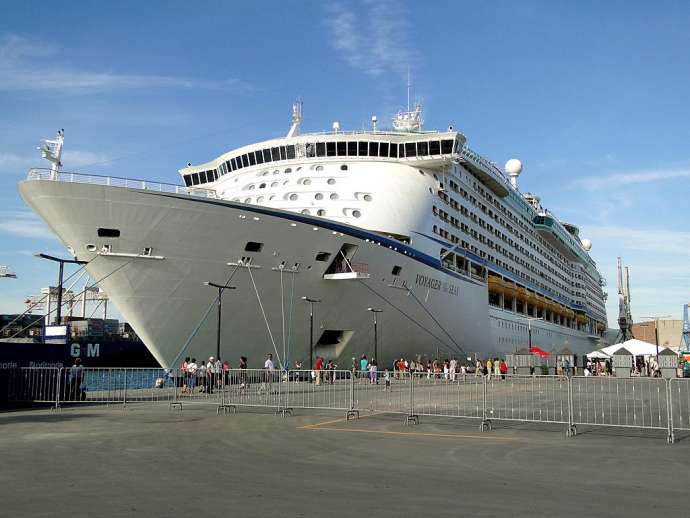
(592, 97)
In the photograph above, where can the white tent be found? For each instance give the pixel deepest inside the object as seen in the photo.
(598, 355)
(636, 348)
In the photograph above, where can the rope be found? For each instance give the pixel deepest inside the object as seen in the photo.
(282, 311)
(437, 322)
(447, 346)
(249, 269)
(200, 323)
(292, 306)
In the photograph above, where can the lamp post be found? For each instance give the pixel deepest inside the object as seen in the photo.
(376, 344)
(656, 332)
(311, 329)
(62, 269)
(220, 289)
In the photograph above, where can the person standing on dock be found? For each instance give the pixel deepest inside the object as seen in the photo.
(76, 375)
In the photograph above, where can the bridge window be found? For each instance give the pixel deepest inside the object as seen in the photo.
(352, 149)
(394, 151)
(267, 155)
(411, 149)
(320, 149)
(195, 178)
(447, 146)
(383, 149)
(363, 149)
(373, 149)
(342, 148)
(259, 157)
(233, 164)
(202, 177)
(330, 148)
(188, 180)
(252, 158)
(401, 150)
(423, 148)
(291, 152)
(434, 147)
(275, 153)
(310, 150)
(283, 153)
(245, 161)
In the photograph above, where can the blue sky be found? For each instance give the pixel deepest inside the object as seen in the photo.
(591, 96)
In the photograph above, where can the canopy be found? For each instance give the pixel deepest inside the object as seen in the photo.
(636, 348)
(598, 355)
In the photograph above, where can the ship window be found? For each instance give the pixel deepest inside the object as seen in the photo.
(318, 196)
(410, 149)
(320, 149)
(373, 149)
(446, 146)
(262, 186)
(306, 181)
(323, 256)
(283, 154)
(108, 232)
(318, 168)
(253, 246)
(202, 177)
(290, 152)
(305, 211)
(401, 150)
(259, 157)
(293, 197)
(352, 149)
(342, 148)
(275, 153)
(356, 213)
(396, 270)
(363, 149)
(227, 166)
(330, 148)
(423, 148)
(367, 197)
(394, 151)
(195, 178)
(267, 155)
(288, 170)
(245, 161)
(310, 150)
(434, 147)
(343, 167)
(330, 181)
(252, 158)
(233, 164)
(383, 149)
(188, 180)
(333, 196)
(320, 212)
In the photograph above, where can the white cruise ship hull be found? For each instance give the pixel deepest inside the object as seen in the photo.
(426, 309)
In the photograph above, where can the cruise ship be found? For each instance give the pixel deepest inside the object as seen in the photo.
(395, 242)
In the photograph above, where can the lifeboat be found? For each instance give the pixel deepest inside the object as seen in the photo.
(521, 294)
(510, 289)
(540, 301)
(581, 318)
(496, 284)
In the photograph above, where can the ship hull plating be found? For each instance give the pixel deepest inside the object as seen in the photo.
(169, 245)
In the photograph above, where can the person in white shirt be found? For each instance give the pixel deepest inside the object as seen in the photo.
(192, 369)
(453, 369)
(268, 364)
(211, 375)
(268, 375)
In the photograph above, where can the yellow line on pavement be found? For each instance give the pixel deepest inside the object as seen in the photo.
(414, 434)
(339, 420)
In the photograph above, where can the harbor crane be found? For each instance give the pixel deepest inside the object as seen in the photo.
(7, 273)
(625, 320)
(685, 336)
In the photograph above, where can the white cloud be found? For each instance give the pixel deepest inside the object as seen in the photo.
(23, 68)
(75, 158)
(24, 224)
(606, 182)
(661, 242)
(10, 162)
(374, 40)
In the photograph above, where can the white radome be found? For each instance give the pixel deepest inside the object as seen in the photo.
(513, 167)
(587, 244)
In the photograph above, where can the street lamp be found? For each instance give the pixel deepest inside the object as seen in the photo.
(220, 310)
(311, 329)
(376, 345)
(656, 332)
(62, 268)
(529, 327)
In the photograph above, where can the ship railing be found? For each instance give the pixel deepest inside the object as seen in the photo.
(117, 181)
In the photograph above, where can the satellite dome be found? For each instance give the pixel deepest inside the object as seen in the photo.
(513, 167)
(587, 244)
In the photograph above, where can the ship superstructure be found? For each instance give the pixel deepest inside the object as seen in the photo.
(412, 221)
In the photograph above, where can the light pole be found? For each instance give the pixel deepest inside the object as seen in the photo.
(376, 344)
(220, 310)
(62, 268)
(311, 329)
(656, 332)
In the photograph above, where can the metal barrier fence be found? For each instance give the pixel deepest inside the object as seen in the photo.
(641, 403)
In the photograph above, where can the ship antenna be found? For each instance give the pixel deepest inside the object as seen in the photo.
(51, 150)
(409, 85)
(296, 119)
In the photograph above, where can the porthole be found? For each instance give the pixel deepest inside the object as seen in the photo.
(356, 213)
(262, 186)
(343, 167)
(318, 196)
(265, 173)
(276, 171)
(293, 197)
(275, 184)
(272, 196)
(247, 200)
(259, 199)
(334, 196)
(319, 168)
(288, 170)
(321, 212)
(305, 211)
(306, 181)
(299, 168)
(331, 181)
(251, 187)
(367, 197)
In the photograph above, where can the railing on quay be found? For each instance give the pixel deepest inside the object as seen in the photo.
(116, 181)
(640, 403)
